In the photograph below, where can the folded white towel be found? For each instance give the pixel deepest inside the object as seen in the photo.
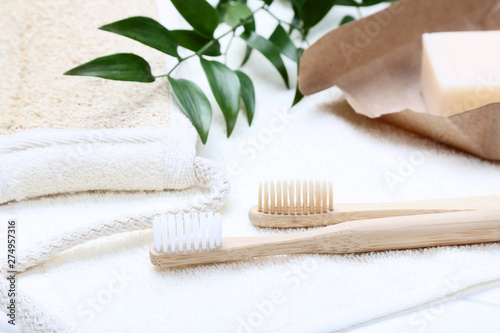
(41, 162)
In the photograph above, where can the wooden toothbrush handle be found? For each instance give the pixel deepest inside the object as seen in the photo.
(450, 204)
(351, 212)
(395, 233)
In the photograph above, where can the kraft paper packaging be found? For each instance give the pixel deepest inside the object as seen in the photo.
(376, 62)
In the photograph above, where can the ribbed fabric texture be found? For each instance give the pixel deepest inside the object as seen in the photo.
(35, 163)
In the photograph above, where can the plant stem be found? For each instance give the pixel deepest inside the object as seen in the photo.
(292, 26)
(212, 41)
(228, 45)
(359, 12)
(283, 22)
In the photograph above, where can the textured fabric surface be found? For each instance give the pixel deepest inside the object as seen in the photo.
(41, 39)
(34, 317)
(36, 163)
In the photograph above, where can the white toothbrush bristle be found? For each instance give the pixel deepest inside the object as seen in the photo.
(171, 232)
(218, 229)
(164, 232)
(203, 230)
(185, 232)
(188, 223)
(157, 233)
(211, 233)
(180, 232)
(196, 231)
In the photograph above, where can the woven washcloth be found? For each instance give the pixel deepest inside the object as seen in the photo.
(44, 39)
(35, 163)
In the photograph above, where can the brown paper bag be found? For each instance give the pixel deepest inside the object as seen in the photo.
(376, 61)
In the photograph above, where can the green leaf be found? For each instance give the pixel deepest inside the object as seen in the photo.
(248, 28)
(300, 52)
(298, 94)
(236, 12)
(312, 11)
(247, 95)
(372, 2)
(268, 2)
(221, 9)
(350, 3)
(282, 40)
(194, 104)
(346, 19)
(120, 66)
(364, 3)
(147, 31)
(193, 41)
(199, 14)
(298, 3)
(268, 49)
(225, 86)
(295, 21)
(248, 53)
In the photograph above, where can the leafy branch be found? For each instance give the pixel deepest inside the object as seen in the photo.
(231, 88)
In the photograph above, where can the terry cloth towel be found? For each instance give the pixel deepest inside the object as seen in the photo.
(35, 163)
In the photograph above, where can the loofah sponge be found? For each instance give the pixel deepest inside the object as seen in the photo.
(46, 38)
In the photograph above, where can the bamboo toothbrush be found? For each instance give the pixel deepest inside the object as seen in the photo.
(298, 204)
(185, 240)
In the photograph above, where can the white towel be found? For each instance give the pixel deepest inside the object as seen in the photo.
(42, 162)
(110, 286)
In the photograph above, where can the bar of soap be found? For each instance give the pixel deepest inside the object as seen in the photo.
(460, 71)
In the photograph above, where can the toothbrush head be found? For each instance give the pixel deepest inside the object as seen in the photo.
(289, 201)
(184, 232)
(295, 197)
